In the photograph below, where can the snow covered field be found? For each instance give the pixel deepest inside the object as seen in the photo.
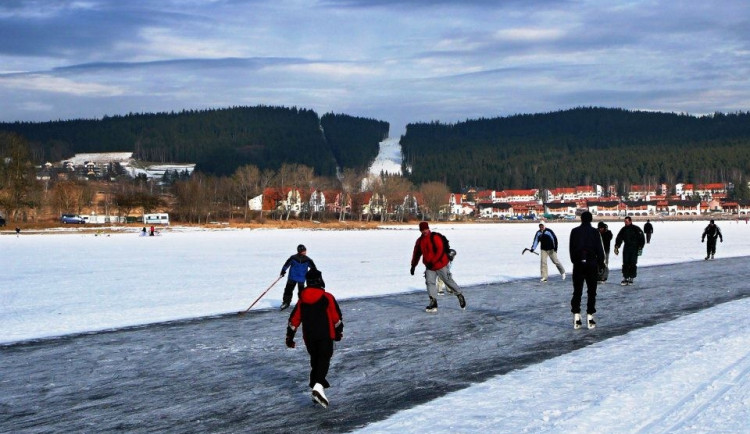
(697, 366)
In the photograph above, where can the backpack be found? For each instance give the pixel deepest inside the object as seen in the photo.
(446, 246)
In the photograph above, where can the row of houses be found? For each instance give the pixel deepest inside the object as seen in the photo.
(509, 204)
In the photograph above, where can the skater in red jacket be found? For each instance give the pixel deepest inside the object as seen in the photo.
(322, 323)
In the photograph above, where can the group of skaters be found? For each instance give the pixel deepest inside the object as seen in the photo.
(318, 312)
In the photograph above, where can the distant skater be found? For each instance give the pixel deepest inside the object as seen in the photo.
(546, 239)
(648, 229)
(298, 266)
(606, 235)
(322, 324)
(631, 236)
(430, 248)
(587, 255)
(711, 232)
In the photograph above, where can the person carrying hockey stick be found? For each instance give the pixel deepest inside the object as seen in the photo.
(547, 242)
(322, 324)
(298, 265)
(431, 248)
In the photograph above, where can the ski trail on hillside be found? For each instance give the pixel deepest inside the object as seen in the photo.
(388, 159)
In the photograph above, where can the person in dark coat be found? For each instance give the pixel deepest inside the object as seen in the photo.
(587, 255)
(648, 229)
(298, 266)
(712, 232)
(606, 235)
(633, 239)
(322, 324)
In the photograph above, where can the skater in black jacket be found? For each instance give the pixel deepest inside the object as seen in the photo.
(322, 324)
(587, 255)
(712, 232)
(648, 229)
(606, 235)
(632, 237)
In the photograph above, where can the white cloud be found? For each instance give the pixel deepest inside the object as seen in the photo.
(47, 83)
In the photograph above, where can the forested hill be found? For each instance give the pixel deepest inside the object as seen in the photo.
(217, 140)
(580, 146)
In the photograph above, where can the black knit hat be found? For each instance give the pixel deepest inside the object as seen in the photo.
(301, 248)
(314, 278)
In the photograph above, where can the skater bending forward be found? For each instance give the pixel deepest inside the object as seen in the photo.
(322, 323)
(430, 248)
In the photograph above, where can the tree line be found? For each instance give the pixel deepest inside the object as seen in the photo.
(218, 140)
(581, 146)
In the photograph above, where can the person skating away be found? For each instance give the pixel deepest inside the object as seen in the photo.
(648, 229)
(430, 248)
(546, 239)
(322, 324)
(587, 255)
(298, 266)
(606, 235)
(631, 236)
(711, 232)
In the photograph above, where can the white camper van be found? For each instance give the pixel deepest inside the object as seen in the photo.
(156, 219)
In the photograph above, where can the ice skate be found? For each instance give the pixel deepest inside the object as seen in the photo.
(563, 276)
(577, 321)
(591, 322)
(432, 307)
(461, 301)
(319, 396)
(284, 305)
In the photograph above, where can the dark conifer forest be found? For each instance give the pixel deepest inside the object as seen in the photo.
(218, 141)
(581, 146)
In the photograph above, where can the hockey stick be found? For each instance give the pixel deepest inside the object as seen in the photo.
(259, 297)
(529, 250)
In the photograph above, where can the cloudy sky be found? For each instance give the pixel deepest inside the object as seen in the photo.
(399, 61)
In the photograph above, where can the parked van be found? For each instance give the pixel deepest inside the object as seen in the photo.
(156, 219)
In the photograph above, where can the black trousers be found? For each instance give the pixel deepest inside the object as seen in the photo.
(630, 262)
(587, 272)
(289, 288)
(321, 351)
(710, 246)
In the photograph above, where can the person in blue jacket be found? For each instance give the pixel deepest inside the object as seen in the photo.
(298, 266)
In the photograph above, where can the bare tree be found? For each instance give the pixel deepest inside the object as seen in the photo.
(247, 179)
(435, 195)
(17, 177)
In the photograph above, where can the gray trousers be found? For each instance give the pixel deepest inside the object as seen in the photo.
(553, 256)
(430, 278)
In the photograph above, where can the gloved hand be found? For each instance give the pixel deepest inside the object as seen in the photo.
(290, 342)
(339, 332)
(617, 251)
(411, 270)
(283, 273)
(640, 252)
(531, 250)
(721, 240)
